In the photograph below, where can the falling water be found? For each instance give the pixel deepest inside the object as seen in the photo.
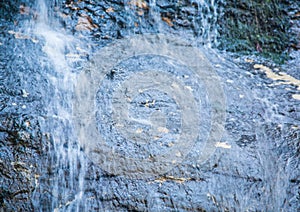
(256, 164)
(204, 16)
(66, 180)
(68, 163)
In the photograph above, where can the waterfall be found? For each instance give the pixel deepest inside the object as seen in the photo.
(66, 183)
(203, 16)
(125, 105)
(65, 158)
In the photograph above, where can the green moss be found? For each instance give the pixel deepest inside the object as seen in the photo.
(255, 26)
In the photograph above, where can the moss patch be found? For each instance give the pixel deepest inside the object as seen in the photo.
(256, 27)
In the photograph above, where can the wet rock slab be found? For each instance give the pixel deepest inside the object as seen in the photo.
(255, 165)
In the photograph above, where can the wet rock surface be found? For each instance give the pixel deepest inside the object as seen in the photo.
(23, 145)
(256, 165)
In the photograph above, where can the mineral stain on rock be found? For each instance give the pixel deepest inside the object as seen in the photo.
(282, 77)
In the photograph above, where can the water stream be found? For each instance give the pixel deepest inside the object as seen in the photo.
(67, 178)
(68, 162)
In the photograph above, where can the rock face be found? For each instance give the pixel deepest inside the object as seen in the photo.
(256, 163)
(23, 145)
